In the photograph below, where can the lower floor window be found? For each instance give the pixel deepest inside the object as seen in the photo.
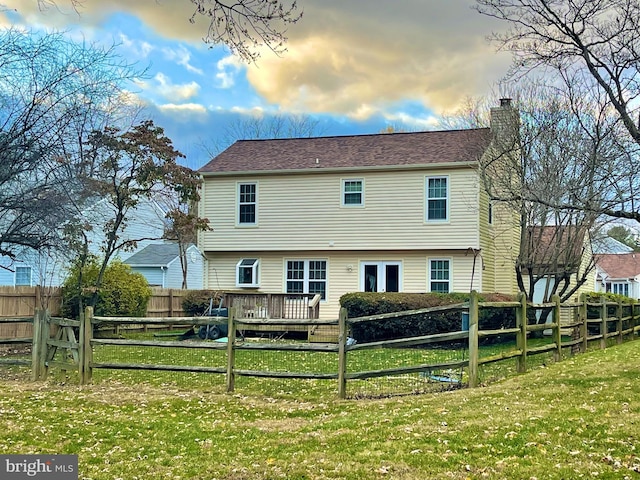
(440, 276)
(619, 288)
(247, 272)
(307, 276)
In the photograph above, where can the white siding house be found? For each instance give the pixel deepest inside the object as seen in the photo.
(160, 265)
(145, 224)
(389, 212)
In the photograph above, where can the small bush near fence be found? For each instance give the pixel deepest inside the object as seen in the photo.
(431, 323)
(197, 302)
(123, 292)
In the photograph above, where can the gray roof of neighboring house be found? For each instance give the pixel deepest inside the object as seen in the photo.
(154, 255)
(608, 245)
(356, 151)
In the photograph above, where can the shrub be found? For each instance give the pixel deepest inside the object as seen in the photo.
(122, 293)
(196, 302)
(367, 304)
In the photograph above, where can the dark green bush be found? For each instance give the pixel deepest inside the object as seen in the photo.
(122, 293)
(196, 302)
(367, 304)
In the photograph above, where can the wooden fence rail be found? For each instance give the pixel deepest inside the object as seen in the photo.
(615, 320)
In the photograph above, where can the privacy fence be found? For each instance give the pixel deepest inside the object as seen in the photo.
(226, 349)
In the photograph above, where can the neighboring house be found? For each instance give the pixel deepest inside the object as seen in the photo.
(401, 212)
(146, 223)
(160, 265)
(618, 273)
(605, 245)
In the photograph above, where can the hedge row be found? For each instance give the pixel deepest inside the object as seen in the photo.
(367, 304)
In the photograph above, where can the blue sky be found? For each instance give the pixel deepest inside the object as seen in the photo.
(353, 67)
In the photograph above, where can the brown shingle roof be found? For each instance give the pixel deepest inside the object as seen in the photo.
(553, 249)
(380, 150)
(619, 265)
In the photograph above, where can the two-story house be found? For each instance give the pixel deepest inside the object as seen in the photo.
(398, 212)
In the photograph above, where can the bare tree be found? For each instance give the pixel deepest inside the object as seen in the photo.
(50, 90)
(244, 26)
(592, 49)
(263, 127)
(554, 152)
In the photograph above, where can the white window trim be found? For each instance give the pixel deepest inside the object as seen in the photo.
(380, 264)
(343, 193)
(255, 273)
(427, 198)
(429, 280)
(15, 276)
(305, 280)
(246, 224)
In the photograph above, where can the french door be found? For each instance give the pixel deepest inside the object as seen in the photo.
(380, 276)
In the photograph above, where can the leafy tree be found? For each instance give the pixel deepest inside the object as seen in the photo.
(127, 167)
(624, 235)
(122, 291)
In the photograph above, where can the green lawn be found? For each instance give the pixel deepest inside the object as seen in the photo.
(579, 418)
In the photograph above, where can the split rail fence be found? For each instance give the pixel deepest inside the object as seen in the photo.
(74, 345)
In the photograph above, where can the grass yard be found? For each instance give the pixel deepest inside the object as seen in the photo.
(579, 418)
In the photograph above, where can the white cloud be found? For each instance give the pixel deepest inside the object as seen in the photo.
(181, 56)
(163, 86)
(137, 48)
(228, 68)
(184, 111)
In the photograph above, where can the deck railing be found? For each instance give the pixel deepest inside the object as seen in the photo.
(295, 306)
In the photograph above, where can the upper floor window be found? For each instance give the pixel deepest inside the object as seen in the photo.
(439, 276)
(23, 276)
(353, 192)
(247, 272)
(437, 198)
(307, 276)
(247, 203)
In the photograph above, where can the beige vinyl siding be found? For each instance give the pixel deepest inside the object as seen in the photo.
(487, 244)
(304, 212)
(341, 279)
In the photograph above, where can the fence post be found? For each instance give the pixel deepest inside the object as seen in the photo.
(557, 334)
(619, 321)
(231, 351)
(604, 313)
(473, 339)
(35, 346)
(521, 336)
(86, 351)
(43, 349)
(632, 303)
(584, 330)
(342, 354)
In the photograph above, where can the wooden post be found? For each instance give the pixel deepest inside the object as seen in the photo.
(43, 351)
(231, 352)
(584, 330)
(557, 334)
(86, 350)
(633, 320)
(619, 321)
(603, 322)
(35, 346)
(521, 336)
(473, 339)
(342, 354)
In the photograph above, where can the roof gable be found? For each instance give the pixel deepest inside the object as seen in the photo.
(619, 265)
(358, 151)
